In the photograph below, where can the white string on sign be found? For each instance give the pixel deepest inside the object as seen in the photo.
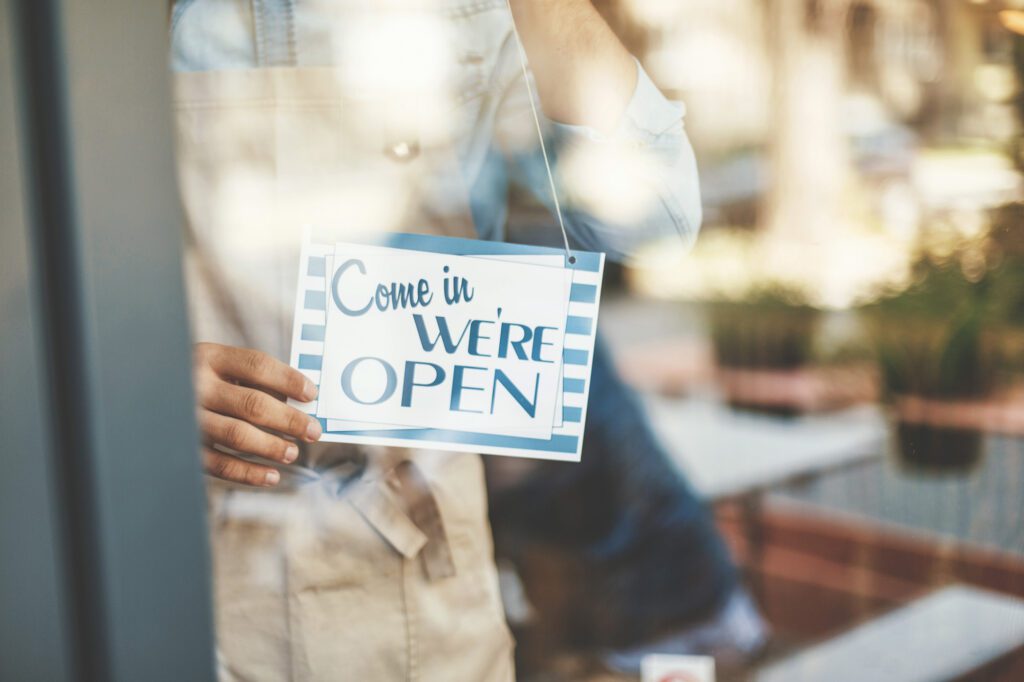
(540, 134)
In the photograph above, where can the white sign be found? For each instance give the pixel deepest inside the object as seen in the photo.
(448, 343)
(440, 341)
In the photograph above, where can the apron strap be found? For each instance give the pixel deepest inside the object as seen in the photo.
(274, 21)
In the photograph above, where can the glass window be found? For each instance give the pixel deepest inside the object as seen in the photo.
(788, 447)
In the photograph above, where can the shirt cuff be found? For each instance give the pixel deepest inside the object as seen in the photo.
(648, 115)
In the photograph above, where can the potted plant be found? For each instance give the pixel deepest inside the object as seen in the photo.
(940, 343)
(763, 297)
(770, 333)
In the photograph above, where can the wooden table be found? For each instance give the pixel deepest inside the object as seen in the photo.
(946, 635)
(726, 453)
(742, 456)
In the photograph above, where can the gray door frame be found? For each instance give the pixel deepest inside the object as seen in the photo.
(104, 564)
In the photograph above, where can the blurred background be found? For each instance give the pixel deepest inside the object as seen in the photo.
(828, 416)
(838, 366)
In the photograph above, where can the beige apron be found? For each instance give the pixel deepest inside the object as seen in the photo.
(367, 564)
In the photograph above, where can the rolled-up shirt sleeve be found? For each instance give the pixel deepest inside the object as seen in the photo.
(651, 130)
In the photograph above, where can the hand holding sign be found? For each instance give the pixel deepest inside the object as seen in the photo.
(234, 388)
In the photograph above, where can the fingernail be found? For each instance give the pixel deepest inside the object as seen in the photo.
(272, 478)
(313, 430)
(309, 393)
(291, 453)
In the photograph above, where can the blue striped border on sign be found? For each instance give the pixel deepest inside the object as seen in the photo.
(316, 300)
(313, 332)
(557, 443)
(573, 385)
(583, 293)
(313, 362)
(572, 356)
(579, 325)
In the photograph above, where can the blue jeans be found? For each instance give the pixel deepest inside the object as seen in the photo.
(647, 558)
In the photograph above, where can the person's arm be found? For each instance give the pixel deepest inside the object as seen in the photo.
(597, 101)
(584, 75)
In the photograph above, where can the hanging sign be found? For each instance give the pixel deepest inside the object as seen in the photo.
(450, 344)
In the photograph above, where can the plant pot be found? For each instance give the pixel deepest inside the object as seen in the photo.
(934, 449)
(752, 339)
(756, 336)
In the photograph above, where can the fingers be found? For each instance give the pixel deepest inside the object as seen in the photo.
(234, 469)
(259, 369)
(256, 407)
(238, 435)
(232, 413)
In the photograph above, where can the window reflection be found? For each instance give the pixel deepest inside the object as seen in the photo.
(801, 453)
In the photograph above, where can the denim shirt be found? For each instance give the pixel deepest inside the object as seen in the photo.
(208, 35)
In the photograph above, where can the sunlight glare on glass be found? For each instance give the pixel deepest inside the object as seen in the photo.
(613, 180)
(392, 52)
(654, 13)
(399, 67)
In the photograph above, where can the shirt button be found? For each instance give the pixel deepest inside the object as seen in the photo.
(404, 151)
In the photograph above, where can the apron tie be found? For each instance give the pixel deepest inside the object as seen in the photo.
(402, 508)
(421, 505)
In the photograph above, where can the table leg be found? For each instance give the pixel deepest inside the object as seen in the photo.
(751, 505)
